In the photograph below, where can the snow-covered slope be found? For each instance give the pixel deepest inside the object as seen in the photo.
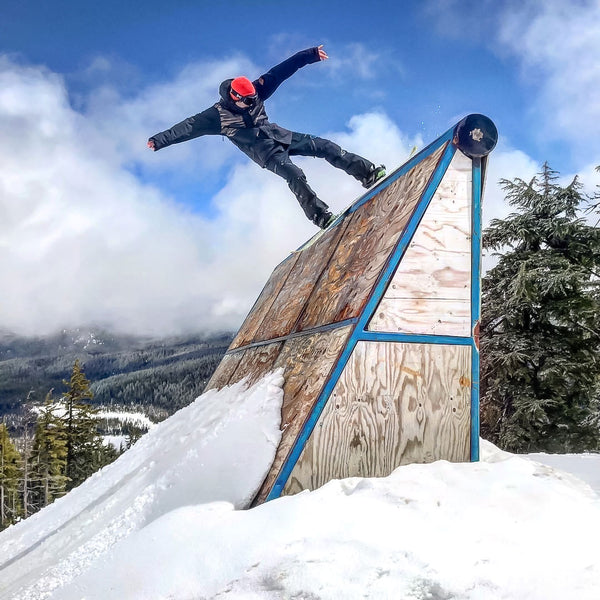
(145, 528)
(218, 448)
(584, 466)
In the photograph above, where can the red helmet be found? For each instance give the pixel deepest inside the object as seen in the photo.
(242, 87)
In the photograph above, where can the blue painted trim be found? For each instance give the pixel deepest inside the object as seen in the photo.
(475, 404)
(377, 336)
(475, 304)
(371, 306)
(294, 455)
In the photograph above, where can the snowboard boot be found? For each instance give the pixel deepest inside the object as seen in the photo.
(374, 176)
(323, 220)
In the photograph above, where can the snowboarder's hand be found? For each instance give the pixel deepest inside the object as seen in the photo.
(322, 53)
(150, 145)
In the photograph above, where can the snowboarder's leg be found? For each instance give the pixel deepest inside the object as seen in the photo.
(360, 168)
(315, 209)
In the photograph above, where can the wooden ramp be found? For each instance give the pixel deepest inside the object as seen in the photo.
(375, 325)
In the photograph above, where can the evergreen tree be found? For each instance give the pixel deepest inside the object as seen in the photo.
(48, 459)
(596, 198)
(540, 330)
(133, 435)
(10, 478)
(26, 444)
(85, 453)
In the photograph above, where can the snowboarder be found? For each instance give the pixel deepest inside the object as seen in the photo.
(240, 115)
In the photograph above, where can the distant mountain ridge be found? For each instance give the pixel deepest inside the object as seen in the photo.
(159, 374)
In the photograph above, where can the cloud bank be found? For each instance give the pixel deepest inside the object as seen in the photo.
(558, 44)
(85, 240)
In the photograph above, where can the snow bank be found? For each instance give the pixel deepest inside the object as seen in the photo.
(218, 448)
(585, 466)
(506, 527)
(148, 528)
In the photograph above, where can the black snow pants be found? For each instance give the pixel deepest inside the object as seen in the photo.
(309, 145)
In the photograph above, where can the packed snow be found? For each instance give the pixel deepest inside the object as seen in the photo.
(584, 466)
(165, 522)
(193, 457)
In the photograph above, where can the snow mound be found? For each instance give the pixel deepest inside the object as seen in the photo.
(506, 527)
(163, 523)
(585, 466)
(218, 448)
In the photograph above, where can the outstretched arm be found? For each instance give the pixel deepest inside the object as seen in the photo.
(205, 123)
(266, 84)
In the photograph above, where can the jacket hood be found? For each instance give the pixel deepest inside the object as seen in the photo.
(225, 88)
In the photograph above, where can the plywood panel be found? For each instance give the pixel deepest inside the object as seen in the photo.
(252, 363)
(222, 376)
(284, 312)
(431, 288)
(307, 362)
(432, 274)
(394, 404)
(371, 235)
(256, 363)
(254, 320)
(427, 316)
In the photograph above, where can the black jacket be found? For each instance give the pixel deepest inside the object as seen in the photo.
(249, 129)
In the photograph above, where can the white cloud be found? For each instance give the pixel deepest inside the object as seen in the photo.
(84, 242)
(589, 178)
(558, 44)
(122, 126)
(504, 162)
(354, 58)
(372, 135)
(508, 163)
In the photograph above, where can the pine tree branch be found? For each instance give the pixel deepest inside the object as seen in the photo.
(583, 326)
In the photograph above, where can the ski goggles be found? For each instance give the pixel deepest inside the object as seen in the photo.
(247, 100)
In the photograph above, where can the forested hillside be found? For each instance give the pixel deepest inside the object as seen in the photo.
(161, 375)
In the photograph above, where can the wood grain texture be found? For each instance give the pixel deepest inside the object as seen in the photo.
(431, 274)
(281, 318)
(307, 362)
(371, 235)
(222, 376)
(250, 329)
(256, 363)
(431, 288)
(252, 363)
(394, 404)
(429, 316)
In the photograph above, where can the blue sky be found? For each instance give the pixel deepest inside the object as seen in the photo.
(420, 67)
(82, 86)
(406, 62)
